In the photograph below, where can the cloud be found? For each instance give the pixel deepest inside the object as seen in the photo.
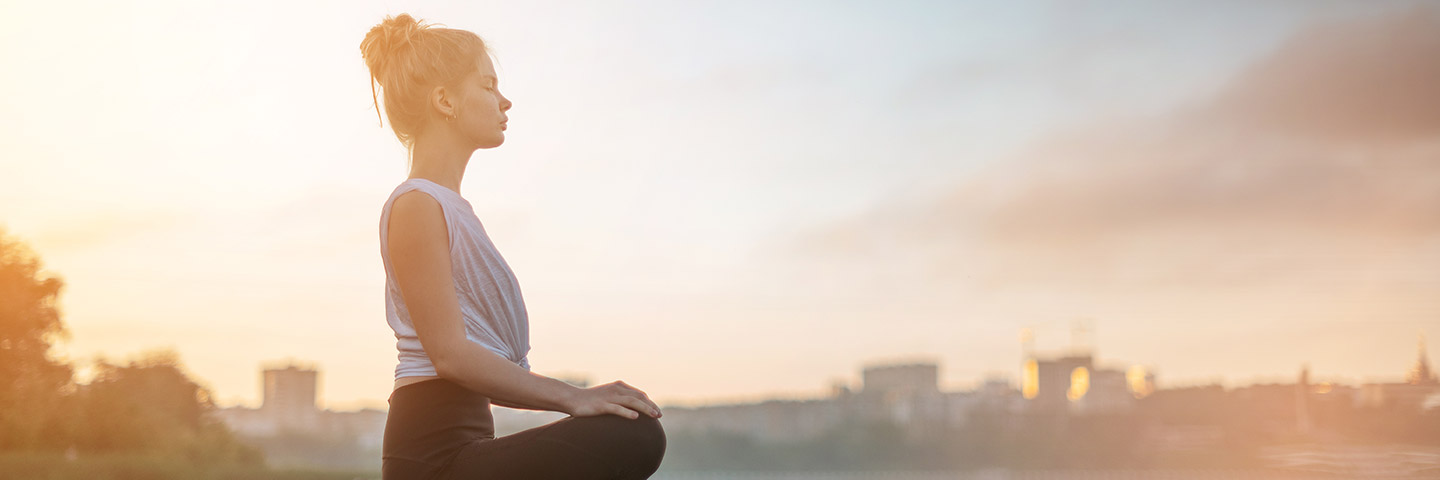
(1373, 81)
(1320, 163)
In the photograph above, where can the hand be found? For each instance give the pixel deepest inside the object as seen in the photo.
(615, 398)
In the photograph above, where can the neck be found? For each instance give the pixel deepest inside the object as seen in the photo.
(439, 159)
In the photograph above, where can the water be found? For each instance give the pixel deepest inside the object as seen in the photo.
(1001, 474)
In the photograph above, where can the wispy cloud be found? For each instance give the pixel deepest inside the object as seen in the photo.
(1323, 159)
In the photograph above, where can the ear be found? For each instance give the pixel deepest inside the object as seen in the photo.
(442, 100)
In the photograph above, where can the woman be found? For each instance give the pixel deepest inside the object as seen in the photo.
(459, 320)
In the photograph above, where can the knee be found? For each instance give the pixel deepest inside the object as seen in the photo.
(650, 437)
(635, 447)
(644, 442)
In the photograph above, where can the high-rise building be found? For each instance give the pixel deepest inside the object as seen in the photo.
(289, 395)
(1052, 383)
(911, 378)
(1302, 402)
(290, 427)
(1420, 374)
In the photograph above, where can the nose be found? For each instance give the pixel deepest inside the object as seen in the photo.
(505, 103)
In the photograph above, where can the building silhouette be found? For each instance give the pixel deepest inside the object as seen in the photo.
(292, 430)
(1057, 390)
(1420, 374)
(289, 397)
(1419, 391)
(1070, 382)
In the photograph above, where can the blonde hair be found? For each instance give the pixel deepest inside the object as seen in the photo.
(408, 59)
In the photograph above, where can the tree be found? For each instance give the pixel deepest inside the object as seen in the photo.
(149, 405)
(146, 406)
(32, 386)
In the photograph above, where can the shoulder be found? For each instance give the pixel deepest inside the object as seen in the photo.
(416, 212)
(416, 201)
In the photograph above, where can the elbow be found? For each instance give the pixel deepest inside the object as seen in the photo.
(450, 365)
(442, 353)
(444, 367)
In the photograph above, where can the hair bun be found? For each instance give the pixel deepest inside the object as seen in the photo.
(383, 41)
(398, 30)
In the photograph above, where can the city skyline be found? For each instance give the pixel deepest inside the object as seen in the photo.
(1420, 367)
(737, 199)
(1064, 395)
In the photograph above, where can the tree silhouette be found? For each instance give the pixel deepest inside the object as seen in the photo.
(32, 386)
(146, 406)
(150, 405)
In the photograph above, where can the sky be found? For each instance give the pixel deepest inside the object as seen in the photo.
(727, 201)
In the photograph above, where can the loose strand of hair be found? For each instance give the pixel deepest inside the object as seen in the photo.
(376, 99)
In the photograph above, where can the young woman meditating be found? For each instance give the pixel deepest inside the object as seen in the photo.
(459, 319)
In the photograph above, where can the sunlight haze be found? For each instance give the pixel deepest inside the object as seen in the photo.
(721, 201)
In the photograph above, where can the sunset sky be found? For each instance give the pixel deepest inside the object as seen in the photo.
(722, 201)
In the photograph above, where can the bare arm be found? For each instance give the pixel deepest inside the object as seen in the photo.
(419, 253)
(508, 405)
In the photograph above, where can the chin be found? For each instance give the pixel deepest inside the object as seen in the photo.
(493, 141)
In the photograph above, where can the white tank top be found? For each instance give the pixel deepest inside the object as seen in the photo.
(490, 303)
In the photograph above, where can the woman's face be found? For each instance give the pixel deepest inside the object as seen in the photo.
(481, 117)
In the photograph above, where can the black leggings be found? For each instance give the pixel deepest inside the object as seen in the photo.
(438, 430)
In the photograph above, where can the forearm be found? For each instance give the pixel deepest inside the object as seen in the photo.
(507, 384)
(506, 404)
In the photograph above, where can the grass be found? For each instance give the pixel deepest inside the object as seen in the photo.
(52, 466)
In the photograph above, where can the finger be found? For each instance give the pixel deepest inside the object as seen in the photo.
(648, 402)
(620, 410)
(642, 406)
(652, 403)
